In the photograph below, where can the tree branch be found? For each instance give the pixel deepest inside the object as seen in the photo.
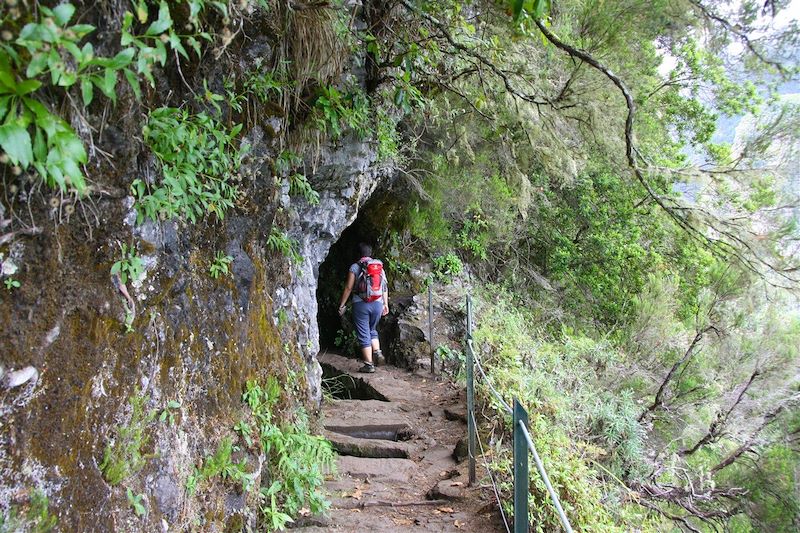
(742, 36)
(716, 428)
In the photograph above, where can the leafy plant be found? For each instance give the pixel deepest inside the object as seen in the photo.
(220, 265)
(387, 136)
(472, 236)
(220, 464)
(280, 241)
(122, 456)
(136, 501)
(263, 85)
(297, 459)
(12, 284)
(168, 413)
(199, 162)
(446, 266)
(49, 48)
(151, 46)
(334, 111)
(130, 266)
(347, 341)
(286, 166)
(299, 185)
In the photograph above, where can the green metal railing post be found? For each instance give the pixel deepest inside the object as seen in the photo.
(470, 370)
(430, 326)
(521, 482)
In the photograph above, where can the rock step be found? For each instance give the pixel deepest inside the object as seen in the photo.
(375, 448)
(392, 469)
(389, 387)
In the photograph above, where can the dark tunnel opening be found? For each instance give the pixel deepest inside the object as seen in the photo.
(373, 226)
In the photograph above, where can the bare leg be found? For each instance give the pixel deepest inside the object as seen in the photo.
(366, 353)
(376, 345)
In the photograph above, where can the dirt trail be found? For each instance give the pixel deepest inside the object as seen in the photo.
(396, 435)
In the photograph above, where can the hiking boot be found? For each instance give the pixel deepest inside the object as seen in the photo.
(368, 368)
(380, 360)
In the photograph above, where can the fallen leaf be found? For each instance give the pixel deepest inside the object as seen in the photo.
(356, 495)
(445, 509)
(458, 524)
(457, 484)
(402, 521)
(355, 510)
(304, 512)
(437, 511)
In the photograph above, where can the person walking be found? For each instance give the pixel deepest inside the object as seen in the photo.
(366, 281)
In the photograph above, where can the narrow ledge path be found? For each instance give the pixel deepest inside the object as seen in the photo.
(396, 433)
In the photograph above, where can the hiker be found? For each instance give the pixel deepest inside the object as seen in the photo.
(366, 280)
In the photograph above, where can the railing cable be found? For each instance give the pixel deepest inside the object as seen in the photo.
(488, 381)
(491, 478)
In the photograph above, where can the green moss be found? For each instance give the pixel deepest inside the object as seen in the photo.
(123, 456)
(36, 518)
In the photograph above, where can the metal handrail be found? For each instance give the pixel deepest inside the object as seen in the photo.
(546, 479)
(521, 437)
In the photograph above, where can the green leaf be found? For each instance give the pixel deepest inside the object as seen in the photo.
(28, 86)
(63, 13)
(37, 65)
(4, 101)
(82, 29)
(87, 91)
(16, 142)
(121, 60)
(175, 43)
(133, 81)
(163, 23)
(539, 7)
(109, 84)
(127, 22)
(39, 146)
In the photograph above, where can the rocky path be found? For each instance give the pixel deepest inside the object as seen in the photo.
(396, 433)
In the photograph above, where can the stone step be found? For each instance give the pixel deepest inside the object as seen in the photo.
(382, 381)
(398, 470)
(376, 448)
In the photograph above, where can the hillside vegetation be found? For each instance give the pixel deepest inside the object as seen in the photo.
(635, 277)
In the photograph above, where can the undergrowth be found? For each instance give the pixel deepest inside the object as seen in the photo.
(297, 459)
(573, 425)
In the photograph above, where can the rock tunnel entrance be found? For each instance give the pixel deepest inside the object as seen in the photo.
(372, 225)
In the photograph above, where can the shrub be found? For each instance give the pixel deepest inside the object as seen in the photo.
(199, 161)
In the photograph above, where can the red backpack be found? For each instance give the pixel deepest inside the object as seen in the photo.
(369, 284)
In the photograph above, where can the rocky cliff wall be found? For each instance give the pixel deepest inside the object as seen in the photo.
(76, 384)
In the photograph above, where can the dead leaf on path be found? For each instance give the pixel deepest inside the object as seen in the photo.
(402, 521)
(457, 484)
(458, 524)
(445, 509)
(355, 510)
(356, 495)
(304, 512)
